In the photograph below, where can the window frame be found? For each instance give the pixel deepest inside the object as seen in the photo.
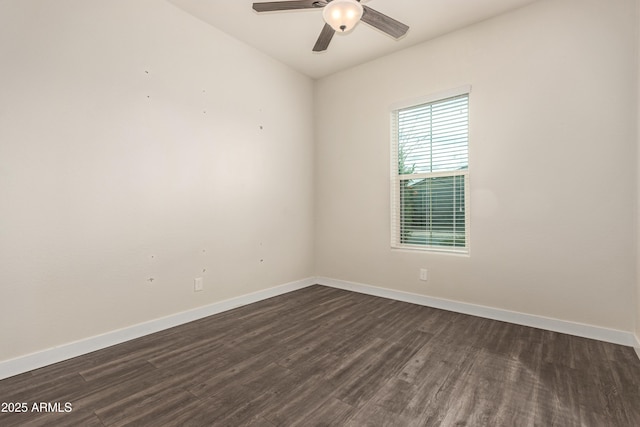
(396, 243)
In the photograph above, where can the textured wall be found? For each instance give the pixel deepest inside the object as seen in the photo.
(552, 164)
(139, 149)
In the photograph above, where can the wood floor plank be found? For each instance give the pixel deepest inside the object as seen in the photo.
(490, 401)
(380, 369)
(556, 398)
(105, 393)
(437, 390)
(439, 358)
(325, 356)
(115, 369)
(256, 404)
(295, 405)
(394, 395)
(66, 387)
(375, 416)
(156, 401)
(201, 367)
(332, 412)
(627, 379)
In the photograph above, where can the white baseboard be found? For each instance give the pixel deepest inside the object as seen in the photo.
(563, 326)
(57, 354)
(49, 356)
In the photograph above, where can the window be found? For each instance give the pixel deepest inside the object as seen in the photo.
(430, 175)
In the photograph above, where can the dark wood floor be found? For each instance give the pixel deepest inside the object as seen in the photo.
(322, 356)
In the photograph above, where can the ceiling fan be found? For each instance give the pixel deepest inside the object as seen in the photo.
(339, 15)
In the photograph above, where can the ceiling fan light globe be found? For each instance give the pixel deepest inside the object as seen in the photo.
(342, 15)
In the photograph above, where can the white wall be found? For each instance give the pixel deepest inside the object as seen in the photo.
(552, 164)
(137, 142)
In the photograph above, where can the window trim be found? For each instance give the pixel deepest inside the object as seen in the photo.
(437, 96)
(396, 245)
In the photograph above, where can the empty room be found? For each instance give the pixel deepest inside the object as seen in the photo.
(330, 212)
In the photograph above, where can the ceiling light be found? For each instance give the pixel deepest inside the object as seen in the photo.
(342, 15)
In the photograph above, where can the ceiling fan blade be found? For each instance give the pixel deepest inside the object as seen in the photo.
(395, 29)
(324, 39)
(271, 6)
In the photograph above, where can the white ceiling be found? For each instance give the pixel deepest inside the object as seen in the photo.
(289, 36)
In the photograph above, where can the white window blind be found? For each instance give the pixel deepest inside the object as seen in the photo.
(430, 175)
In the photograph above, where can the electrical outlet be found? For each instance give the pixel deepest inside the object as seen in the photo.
(423, 274)
(198, 284)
